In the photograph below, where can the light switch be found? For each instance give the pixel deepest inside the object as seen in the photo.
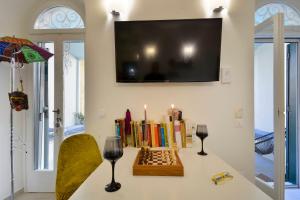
(101, 113)
(239, 113)
(226, 75)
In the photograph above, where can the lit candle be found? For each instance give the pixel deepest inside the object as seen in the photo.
(172, 111)
(145, 112)
(172, 106)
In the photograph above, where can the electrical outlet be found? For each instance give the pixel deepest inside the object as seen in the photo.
(239, 123)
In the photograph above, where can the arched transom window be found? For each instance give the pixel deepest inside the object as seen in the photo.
(291, 15)
(59, 17)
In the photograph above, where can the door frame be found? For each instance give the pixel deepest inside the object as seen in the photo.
(277, 192)
(44, 180)
(297, 42)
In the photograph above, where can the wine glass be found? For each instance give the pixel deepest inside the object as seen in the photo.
(202, 133)
(113, 150)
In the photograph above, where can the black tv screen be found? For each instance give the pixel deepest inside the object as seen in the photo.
(168, 50)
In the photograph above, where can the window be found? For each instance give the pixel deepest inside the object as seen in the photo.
(59, 17)
(291, 15)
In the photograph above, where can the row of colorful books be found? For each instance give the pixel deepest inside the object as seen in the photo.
(153, 135)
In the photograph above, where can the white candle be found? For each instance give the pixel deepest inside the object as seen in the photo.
(172, 111)
(145, 112)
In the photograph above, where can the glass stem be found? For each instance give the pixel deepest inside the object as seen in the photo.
(202, 145)
(113, 171)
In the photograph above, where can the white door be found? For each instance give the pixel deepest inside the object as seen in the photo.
(269, 108)
(57, 107)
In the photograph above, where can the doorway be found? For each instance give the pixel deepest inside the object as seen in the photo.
(264, 124)
(58, 107)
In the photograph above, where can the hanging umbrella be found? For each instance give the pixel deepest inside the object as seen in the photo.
(18, 52)
(22, 50)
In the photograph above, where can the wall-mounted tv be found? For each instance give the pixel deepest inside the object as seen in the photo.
(168, 50)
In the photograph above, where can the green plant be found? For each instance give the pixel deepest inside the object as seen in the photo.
(79, 118)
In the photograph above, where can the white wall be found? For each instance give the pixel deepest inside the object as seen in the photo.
(211, 103)
(12, 22)
(5, 137)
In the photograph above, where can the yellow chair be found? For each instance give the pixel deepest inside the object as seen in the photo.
(78, 157)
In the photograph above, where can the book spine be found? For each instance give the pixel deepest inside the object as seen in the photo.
(117, 128)
(149, 138)
(123, 133)
(172, 141)
(140, 127)
(152, 134)
(183, 133)
(166, 135)
(120, 131)
(177, 133)
(162, 136)
(133, 134)
(136, 134)
(159, 135)
(156, 135)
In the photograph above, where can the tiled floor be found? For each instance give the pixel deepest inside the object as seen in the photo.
(292, 194)
(264, 166)
(36, 196)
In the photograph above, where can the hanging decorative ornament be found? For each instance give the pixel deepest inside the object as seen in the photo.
(18, 99)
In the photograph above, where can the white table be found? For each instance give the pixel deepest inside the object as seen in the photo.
(195, 185)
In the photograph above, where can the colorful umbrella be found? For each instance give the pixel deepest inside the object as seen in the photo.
(19, 51)
(22, 50)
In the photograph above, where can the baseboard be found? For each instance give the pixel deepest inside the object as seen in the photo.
(21, 191)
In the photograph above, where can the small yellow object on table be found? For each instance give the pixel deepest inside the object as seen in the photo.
(220, 178)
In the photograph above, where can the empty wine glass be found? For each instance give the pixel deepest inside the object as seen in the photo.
(113, 151)
(202, 133)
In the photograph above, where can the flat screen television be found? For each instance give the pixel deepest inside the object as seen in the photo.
(168, 50)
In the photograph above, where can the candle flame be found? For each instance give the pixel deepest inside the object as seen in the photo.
(172, 106)
(145, 106)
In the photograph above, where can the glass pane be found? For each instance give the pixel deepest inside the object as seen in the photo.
(73, 87)
(44, 118)
(263, 111)
(59, 18)
(291, 93)
(291, 15)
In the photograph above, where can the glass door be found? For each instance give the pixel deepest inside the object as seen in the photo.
(45, 136)
(58, 109)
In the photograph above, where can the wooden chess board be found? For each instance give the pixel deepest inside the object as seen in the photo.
(157, 163)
